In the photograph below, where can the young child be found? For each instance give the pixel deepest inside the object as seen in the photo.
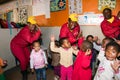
(2, 63)
(82, 69)
(66, 53)
(56, 61)
(107, 68)
(38, 61)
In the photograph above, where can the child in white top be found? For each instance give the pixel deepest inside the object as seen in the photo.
(38, 61)
(66, 53)
(107, 67)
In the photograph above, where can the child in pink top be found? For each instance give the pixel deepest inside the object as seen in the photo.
(82, 69)
(38, 61)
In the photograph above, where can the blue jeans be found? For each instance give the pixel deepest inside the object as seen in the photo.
(41, 73)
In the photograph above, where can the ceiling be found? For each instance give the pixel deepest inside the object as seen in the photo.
(4, 1)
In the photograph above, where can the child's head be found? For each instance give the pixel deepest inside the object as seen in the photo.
(36, 45)
(64, 42)
(105, 41)
(57, 44)
(86, 45)
(111, 51)
(89, 38)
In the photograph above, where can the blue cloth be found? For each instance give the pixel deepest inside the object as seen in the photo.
(41, 73)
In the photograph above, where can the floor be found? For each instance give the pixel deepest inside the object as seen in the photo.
(14, 74)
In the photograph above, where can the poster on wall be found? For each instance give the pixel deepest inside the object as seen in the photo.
(90, 19)
(57, 5)
(22, 14)
(75, 6)
(106, 3)
(41, 7)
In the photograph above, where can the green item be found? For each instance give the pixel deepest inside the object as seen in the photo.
(2, 77)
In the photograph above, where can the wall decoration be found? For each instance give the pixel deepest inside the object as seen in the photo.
(90, 19)
(75, 6)
(57, 5)
(106, 3)
(22, 14)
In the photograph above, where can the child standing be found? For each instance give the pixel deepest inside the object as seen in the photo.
(82, 69)
(66, 53)
(56, 61)
(2, 63)
(38, 61)
(107, 68)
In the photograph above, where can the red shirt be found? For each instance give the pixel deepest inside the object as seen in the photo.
(72, 35)
(25, 37)
(111, 30)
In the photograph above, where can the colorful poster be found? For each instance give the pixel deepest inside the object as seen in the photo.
(57, 5)
(75, 6)
(106, 3)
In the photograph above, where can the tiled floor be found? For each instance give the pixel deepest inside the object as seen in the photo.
(14, 74)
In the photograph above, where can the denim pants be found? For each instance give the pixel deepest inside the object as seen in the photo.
(41, 73)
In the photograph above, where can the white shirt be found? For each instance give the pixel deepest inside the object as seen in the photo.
(104, 71)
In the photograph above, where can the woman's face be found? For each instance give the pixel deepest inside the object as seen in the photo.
(111, 53)
(72, 24)
(32, 27)
(107, 14)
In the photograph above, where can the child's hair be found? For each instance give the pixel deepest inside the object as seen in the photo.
(89, 36)
(36, 41)
(114, 44)
(57, 43)
(87, 45)
(109, 39)
(61, 41)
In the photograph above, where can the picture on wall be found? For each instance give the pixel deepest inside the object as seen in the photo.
(57, 5)
(106, 4)
(22, 14)
(75, 6)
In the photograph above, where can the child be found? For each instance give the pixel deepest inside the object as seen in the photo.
(82, 69)
(107, 67)
(56, 61)
(66, 53)
(38, 61)
(2, 63)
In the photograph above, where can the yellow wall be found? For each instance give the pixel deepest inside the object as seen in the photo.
(60, 17)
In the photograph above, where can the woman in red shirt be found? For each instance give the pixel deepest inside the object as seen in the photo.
(20, 43)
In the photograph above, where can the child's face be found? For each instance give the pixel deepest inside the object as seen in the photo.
(36, 46)
(66, 44)
(111, 53)
(90, 39)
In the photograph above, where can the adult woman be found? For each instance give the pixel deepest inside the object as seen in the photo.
(71, 29)
(110, 24)
(19, 44)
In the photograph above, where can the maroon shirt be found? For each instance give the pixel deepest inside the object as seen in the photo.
(111, 30)
(72, 35)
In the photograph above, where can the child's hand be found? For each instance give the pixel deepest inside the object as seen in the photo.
(52, 38)
(46, 65)
(88, 52)
(5, 62)
(115, 65)
(74, 47)
(32, 70)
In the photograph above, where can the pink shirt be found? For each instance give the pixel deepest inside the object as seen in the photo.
(37, 59)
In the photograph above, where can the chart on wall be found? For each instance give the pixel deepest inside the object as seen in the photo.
(23, 14)
(90, 19)
(106, 3)
(75, 6)
(57, 5)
